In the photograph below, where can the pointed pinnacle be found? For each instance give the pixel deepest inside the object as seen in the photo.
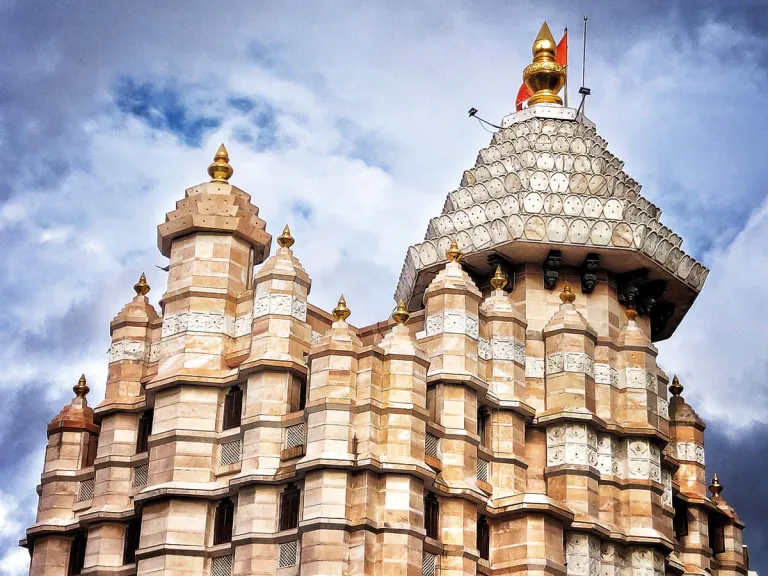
(341, 312)
(567, 296)
(454, 253)
(141, 287)
(400, 315)
(499, 280)
(285, 240)
(220, 170)
(81, 388)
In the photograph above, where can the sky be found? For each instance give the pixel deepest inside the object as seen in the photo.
(348, 121)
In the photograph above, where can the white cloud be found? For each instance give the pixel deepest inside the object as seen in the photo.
(15, 562)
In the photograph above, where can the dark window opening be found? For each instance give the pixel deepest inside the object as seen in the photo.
(77, 554)
(249, 271)
(145, 431)
(132, 536)
(223, 521)
(297, 394)
(233, 408)
(483, 537)
(89, 451)
(289, 508)
(431, 515)
(680, 520)
(483, 421)
(716, 534)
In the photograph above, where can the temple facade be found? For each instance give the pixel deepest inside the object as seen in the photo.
(510, 417)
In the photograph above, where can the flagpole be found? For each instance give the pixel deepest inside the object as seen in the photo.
(584, 62)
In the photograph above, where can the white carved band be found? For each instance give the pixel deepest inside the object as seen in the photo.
(606, 374)
(501, 348)
(453, 322)
(643, 460)
(243, 325)
(638, 378)
(316, 337)
(663, 408)
(571, 444)
(214, 322)
(534, 367)
(688, 451)
(582, 553)
(283, 304)
(666, 479)
(578, 362)
(129, 350)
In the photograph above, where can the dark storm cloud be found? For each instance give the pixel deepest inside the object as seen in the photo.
(741, 465)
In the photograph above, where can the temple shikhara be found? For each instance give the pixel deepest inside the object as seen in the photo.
(509, 418)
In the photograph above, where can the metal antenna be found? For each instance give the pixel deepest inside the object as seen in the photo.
(584, 91)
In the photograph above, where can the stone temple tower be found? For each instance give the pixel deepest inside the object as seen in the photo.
(510, 417)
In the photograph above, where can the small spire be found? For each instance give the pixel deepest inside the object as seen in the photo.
(220, 170)
(285, 240)
(567, 296)
(544, 77)
(676, 388)
(499, 280)
(454, 253)
(81, 388)
(631, 313)
(400, 315)
(141, 287)
(715, 487)
(341, 312)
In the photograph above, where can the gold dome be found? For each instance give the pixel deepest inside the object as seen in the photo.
(544, 77)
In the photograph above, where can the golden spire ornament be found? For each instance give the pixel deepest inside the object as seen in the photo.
(341, 312)
(630, 313)
(220, 170)
(676, 389)
(715, 487)
(81, 388)
(499, 281)
(567, 296)
(285, 240)
(141, 287)
(544, 76)
(454, 253)
(400, 315)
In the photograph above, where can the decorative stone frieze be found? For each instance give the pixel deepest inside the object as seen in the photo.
(534, 367)
(582, 554)
(606, 374)
(283, 304)
(452, 322)
(213, 322)
(571, 444)
(688, 451)
(129, 350)
(643, 460)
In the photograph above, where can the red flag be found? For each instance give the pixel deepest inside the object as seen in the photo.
(561, 57)
(522, 95)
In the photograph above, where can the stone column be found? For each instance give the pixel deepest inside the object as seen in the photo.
(451, 341)
(69, 436)
(334, 365)
(273, 424)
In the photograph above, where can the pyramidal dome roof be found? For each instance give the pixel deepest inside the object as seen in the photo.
(548, 181)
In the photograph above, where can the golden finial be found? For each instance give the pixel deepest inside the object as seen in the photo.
(285, 239)
(631, 313)
(544, 77)
(220, 170)
(566, 296)
(400, 315)
(499, 281)
(676, 388)
(715, 487)
(81, 388)
(141, 287)
(454, 253)
(341, 312)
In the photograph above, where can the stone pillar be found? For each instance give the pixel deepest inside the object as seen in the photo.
(451, 341)
(572, 474)
(273, 422)
(69, 435)
(334, 366)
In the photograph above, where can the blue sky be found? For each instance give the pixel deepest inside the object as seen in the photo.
(350, 124)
